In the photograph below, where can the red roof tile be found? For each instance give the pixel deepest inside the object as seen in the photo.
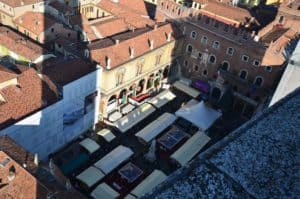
(20, 45)
(119, 53)
(18, 3)
(35, 22)
(31, 94)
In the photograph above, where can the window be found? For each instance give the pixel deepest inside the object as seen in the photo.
(204, 40)
(216, 24)
(139, 70)
(281, 18)
(196, 68)
(52, 29)
(204, 72)
(243, 74)
(256, 63)
(193, 35)
(268, 68)
(186, 63)
(225, 66)
(216, 45)
(199, 17)
(245, 36)
(226, 28)
(207, 20)
(189, 48)
(230, 51)
(120, 77)
(245, 58)
(212, 59)
(157, 59)
(235, 31)
(199, 55)
(258, 81)
(32, 6)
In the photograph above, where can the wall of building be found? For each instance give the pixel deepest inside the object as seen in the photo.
(44, 132)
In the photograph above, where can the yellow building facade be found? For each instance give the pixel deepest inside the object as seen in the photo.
(141, 75)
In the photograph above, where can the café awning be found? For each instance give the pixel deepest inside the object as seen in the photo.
(104, 191)
(106, 134)
(186, 89)
(90, 145)
(162, 98)
(90, 176)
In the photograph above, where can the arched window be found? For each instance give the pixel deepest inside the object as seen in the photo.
(212, 59)
(120, 76)
(204, 72)
(193, 35)
(225, 66)
(204, 40)
(196, 68)
(189, 48)
(243, 74)
(230, 51)
(258, 81)
(216, 45)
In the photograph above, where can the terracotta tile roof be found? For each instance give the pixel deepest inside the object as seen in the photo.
(35, 22)
(23, 185)
(82, 22)
(119, 53)
(223, 11)
(63, 72)
(20, 45)
(18, 3)
(6, 74)
(111, 27)
(131, 16)
(30, 95)
(18, 153)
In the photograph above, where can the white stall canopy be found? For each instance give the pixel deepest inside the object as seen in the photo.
(152, 130)
(186, 89)
(200, 115)
(90, 176)
(90, 145)
(103, 191)
(154, 179)
(113, 159)
(134, 117)
(106, 134)
(190, 148)
(162, 98)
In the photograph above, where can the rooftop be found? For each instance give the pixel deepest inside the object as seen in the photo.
(62, 71)
(28, 94)
(19, 44)
(19, 3)
(120, 53)
(259, 160)
(35, 22)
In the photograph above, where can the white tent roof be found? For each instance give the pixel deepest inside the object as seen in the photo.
(103, 191)
(156, 127)
(129, 196)
(113, 159)
(106, 134)
(162, 98)
(90, 176)
(186, 89)
(190, 148)
(134, 117)
(89, 145)
(154, 179)
(200, 115)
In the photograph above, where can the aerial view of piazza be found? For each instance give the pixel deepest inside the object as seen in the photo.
(151, 99)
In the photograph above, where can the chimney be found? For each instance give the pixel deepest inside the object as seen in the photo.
(36, 159)
(11, 173)
(151, 43)
(131, 51)
(107, 59)
(169, 36)
(155, 27)
(117, 41)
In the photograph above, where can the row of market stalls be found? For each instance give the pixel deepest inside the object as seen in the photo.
(117, 174)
